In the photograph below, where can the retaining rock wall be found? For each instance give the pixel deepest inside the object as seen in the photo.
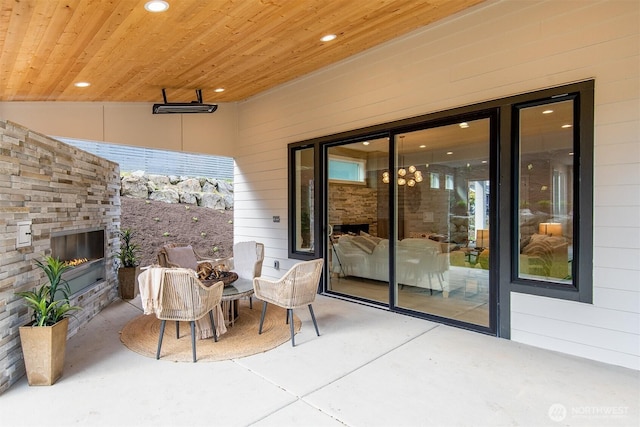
(206, 192)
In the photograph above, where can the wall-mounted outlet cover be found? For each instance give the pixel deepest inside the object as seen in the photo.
(23, 238)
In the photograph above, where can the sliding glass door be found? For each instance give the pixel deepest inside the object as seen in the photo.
(438, 263)
(442, 210)
(358, 219)
(433, 257)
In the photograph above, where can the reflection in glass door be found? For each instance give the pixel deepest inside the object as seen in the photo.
(358, 220)
(442, 221)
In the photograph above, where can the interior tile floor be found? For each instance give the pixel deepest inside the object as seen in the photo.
(369, 367)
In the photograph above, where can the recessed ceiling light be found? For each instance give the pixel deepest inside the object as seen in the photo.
(566, 126)
(423, 146)
(218, 90)
(464, 125)
(484, 161)
(365, 143)
(156, 6)
(328, 38)
(547, 112)
(571, 153)
(82, 84)
(449, 153)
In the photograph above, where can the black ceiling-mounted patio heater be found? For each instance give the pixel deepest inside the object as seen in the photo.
(184, 107)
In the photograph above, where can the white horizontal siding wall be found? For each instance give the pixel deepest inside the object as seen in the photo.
(491, 51)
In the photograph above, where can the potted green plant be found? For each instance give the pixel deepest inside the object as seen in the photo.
(128, 270)
(44, 339)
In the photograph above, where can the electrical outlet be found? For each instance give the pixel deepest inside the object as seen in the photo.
(276, 264)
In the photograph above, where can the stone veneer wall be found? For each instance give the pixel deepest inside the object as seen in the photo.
(58, 187)
(353, 204)
(425, 209)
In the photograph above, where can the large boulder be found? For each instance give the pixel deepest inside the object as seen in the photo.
(189, 185)
(210, 186)
(134, 186)
(188, 190)
(157, 182)
(189, 198)
(168, 196)
(228, 201)
(225, 187)
(213, 201)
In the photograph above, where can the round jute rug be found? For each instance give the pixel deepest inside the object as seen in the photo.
(240, 340)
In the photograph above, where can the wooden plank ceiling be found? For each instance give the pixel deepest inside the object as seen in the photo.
(243, 46)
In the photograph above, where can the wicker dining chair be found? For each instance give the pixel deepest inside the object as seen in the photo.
(297, 288)
(246, 261)
(185, 298)
(173, 255)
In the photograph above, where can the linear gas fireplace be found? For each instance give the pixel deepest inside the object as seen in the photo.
(84, 249)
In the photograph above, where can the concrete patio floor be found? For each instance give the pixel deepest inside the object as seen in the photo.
(369, 367)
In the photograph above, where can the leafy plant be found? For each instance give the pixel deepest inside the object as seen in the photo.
(48, 309)
(128, 250)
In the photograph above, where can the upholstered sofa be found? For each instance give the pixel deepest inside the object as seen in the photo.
(421, 262)
(545, 256)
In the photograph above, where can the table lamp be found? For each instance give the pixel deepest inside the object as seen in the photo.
(550, 228)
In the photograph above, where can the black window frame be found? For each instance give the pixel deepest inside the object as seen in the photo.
(292, 204)
(506, 204)
(581, 289)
